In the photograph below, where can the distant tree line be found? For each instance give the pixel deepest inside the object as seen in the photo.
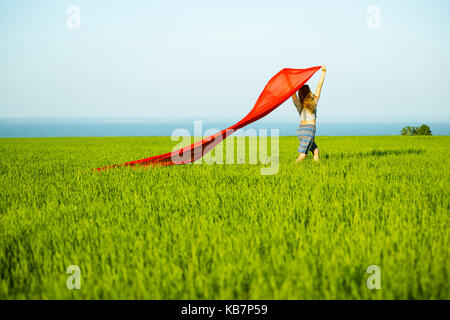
(423, 130)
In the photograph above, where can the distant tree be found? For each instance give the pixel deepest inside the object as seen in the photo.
(406, 131)
(423, 130)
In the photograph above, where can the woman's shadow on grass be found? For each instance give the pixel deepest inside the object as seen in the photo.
(373, 153)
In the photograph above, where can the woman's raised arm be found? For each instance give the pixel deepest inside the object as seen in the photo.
(296, 100)
(320, 84)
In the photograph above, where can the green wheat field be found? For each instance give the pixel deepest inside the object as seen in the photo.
(225, 231)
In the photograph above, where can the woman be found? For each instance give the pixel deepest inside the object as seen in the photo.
(306, 104)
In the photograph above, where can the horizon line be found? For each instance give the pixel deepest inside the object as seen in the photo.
(163, 119)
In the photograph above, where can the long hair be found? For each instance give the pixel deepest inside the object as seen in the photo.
(306, 98)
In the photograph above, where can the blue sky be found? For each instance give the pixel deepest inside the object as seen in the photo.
(211, 59)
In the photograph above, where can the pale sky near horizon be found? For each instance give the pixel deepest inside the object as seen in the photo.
(210, 59)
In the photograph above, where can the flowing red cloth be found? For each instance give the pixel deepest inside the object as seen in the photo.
(279, 88)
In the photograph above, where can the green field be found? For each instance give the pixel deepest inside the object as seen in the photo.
(225, 231)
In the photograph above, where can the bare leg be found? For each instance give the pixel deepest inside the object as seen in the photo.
(316, 155)
(301, 156)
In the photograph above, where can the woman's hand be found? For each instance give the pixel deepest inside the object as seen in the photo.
(324, 69)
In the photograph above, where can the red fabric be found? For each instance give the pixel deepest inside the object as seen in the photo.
(277, 90)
